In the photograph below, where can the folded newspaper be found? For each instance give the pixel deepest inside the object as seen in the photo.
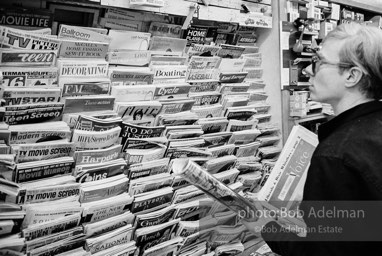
(211, 186)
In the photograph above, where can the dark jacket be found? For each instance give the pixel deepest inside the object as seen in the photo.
(346, 166)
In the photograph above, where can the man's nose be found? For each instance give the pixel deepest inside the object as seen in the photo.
(308, 70)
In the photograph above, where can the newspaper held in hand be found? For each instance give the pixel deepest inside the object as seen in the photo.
(286, 182)
(212, 187)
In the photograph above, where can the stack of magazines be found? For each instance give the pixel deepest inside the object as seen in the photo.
(93, 122)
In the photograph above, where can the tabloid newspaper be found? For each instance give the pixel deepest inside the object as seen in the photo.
(82, 68)
(72, 48)
(29, 77)
(33, 113)
(164, 29)
(211, 186)
(97, 156)
(286, 181)
(14, 38)
(81, 34)
(20, 57)
(86, 140)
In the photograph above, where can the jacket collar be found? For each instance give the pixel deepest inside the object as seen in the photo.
(360, 110)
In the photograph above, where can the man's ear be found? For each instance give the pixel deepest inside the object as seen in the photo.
(354, 75)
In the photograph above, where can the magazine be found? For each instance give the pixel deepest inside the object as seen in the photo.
(33, 113)
(15, 38)
(139, 113)
(129, 57)
(72, 48)
(102, 209)
(19, 96)
(107, 225)
(85, 140)
(164, 29)
(165, 45)
(29, 77)
(81, 34)
(131, 93)
(19, 57)
(129, 76)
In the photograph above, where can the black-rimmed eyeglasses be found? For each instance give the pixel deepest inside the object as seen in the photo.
(316, 62)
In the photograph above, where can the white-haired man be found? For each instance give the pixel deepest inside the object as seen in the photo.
(347, 164)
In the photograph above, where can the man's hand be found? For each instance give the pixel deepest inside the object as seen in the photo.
(256, 226)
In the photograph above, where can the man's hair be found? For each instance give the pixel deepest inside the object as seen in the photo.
(362, 48)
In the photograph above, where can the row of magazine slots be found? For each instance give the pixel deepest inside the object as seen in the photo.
(111, 213)
(22, 106)
(89, 150)
(212, 234)
(96, 45)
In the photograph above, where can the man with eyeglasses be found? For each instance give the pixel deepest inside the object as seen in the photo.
(346, 166)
